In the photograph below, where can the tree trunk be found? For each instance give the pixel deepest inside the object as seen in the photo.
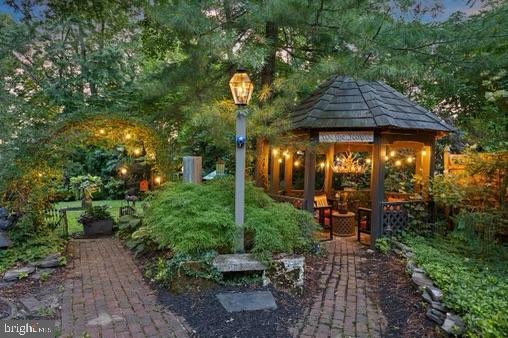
(267, 74)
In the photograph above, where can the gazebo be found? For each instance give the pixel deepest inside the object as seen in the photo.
(348, 115)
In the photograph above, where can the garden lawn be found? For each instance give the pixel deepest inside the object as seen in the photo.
(73, 216)
(473, 277)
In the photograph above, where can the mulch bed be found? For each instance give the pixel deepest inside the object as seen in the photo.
(207, 318)
(399, 299)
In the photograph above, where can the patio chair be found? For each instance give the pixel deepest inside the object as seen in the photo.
(324, 210)
(364, 215)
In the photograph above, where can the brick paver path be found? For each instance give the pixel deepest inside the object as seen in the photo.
(106, 296)
(342, 307)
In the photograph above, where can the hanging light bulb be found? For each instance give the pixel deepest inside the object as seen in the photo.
(102, 131)
(137, 151)
(123, 170)
(275, 151)
(398, 163)
(158, 179)
(279, 160)
(386, 158)
(409, 159)
(297, 163)
(128, 136)
(368, 161)
(424, 152)
(393, 153)
(322, 164)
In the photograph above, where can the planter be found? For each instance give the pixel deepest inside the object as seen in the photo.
(98, 228)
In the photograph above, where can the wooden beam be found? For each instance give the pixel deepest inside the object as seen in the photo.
(427, 162)
(377, 187)
(353, 147)
(309, 179)
(330, 154)
(288, 173)
(275, 182)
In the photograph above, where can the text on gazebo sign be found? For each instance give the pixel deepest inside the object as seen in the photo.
(346, 136)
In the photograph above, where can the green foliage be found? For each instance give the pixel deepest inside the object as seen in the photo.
(473, 278)
(447, 191)
(384, 245)
(31, 249)
(480, 226)
(96, 213)
(193, 219)
(86, 185)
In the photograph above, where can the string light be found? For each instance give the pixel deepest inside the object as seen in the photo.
(158, 179)
(286, 154)
(322, 164)
(409, 160)
(275, 152)
(424, 152)
(280, 160)
(39, 174)
(102, 131)
(398, 163)
(297, 163)
(368, 161)
(123, 170)
(393, 153)
(137, 151)
(386, 158)
(128, 136)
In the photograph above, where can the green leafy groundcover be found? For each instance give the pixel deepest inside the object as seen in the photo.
(31, 250)
(475, 282)
(193, 219)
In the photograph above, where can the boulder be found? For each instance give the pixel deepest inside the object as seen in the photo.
(453, 325)
(421, 279)
(51, 261)
(5, 241)
(14, 274)
(435, 293)
(436, 316)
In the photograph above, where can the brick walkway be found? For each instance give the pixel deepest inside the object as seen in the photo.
(106, 296)
(342, 307)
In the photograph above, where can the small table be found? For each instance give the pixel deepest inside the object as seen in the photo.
(343, 224)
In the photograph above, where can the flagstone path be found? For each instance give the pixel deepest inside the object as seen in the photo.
(105, 296)
(342, 307)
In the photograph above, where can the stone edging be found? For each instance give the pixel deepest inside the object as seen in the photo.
(436, 311)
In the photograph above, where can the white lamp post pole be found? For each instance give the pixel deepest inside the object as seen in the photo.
(241, 88)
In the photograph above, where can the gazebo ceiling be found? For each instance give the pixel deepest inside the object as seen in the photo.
(345, 103)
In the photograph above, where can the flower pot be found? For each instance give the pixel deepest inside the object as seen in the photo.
(98, 228)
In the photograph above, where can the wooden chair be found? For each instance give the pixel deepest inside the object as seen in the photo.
(324, 210)
(364, 215)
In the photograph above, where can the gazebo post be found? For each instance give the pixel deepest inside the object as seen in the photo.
(275, 182)
(288, 173)
(330, 153)
(377, 187)
(309, 181)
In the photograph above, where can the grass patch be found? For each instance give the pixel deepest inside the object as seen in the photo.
(194, 219)
(473, 277)
(73, 216)
(31, 250)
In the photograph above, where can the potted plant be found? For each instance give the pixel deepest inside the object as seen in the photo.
(96, 221)
(85, 186)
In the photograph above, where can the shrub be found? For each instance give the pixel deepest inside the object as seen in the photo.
(98, 213)
(194, 219)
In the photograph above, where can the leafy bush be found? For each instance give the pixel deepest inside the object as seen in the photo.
(474, 280)
(383, 244)
(195, 219)
(98, 213)
(30, 250)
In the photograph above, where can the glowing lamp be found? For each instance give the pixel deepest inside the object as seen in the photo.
(368, 161)
(241, 87)
(279, 160)
(128, 136)
(392, 153)
(137, 151)
(158, 179)
(322, 164)
(424, 152)
(123, 171)
(409, 160)
(297, 163)
(398, 163)
(102, 131)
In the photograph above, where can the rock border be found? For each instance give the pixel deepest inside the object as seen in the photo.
(436, 311)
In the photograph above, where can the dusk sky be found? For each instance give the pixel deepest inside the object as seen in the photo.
(449, 7)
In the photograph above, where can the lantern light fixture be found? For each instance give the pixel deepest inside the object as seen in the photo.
(241, 87)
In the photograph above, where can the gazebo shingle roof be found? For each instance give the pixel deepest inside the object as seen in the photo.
(345, 103)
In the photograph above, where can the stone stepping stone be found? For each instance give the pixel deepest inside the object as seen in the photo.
(32, 304)
(247, 301)
(51, 261)
(5, 241)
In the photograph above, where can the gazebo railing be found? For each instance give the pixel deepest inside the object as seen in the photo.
(295, 201)
(396, 216)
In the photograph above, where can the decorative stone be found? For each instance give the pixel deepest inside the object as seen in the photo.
(370, 251)
(237, 262)
(51, 261)
(40, 272)
(401, 246)
(453, 324)
(5, 241)
(247, 301)
(286, 272)
(436, 316)
(421, 279)
(438, 306)
(435, 293)
(410, 266)
(32, 304)
(14, 274)
(426, 297)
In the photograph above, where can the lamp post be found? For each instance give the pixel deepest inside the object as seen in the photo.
(241, 88)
